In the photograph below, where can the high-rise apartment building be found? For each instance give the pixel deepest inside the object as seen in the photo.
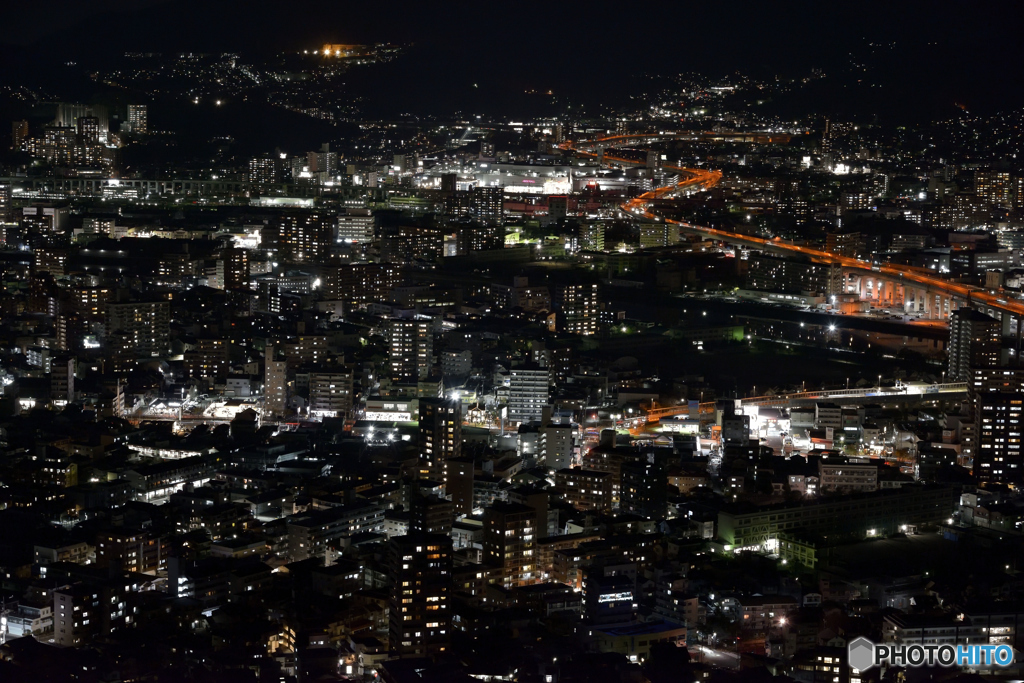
(265, 170)
(6, 207)
(62, 380)
(275, 383)
(208, 358)
(330, 391)
(406, 243)
(993, 187)
(644, 489)
(510, 542)
(774, 274)
(487, 204)
(430, 514)
(591, 237)
(975, 340)
(138, 118)
(83, 611)
(324, 163)
(472, 236)
(88, 129)
(410, 349)
(580, 308)
(143, 325)
(459, 484)
(419, 614)
(301, 237)
(440, 426)
(585, 489)
(997, 454)
(236, 268)
(19, 133)
(89, 302)
(528, 392)
(360, 282)
(555, 446)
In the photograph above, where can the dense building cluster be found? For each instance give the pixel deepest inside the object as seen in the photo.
(439, 402)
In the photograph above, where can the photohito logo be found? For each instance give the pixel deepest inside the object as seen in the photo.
(862, 654)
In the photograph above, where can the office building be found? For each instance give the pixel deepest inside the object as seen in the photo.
(355, 226)
(653, 235)
(44, 218)
(6, 205)
(843, 475)
(419, 610)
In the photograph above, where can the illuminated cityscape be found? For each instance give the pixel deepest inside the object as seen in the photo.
(412, 343)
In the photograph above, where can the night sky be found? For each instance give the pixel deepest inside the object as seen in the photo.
(937, 52)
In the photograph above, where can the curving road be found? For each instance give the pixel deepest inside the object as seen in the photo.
(704, 179)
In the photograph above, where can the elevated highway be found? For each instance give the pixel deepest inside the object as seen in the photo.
(889, 284)
(906, 393)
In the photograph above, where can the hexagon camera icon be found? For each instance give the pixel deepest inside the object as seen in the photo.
(860, 653)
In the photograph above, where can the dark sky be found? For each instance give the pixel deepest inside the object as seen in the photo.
(796, 29)
(977, 56)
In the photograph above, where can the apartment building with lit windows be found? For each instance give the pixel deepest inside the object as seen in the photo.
(419, 609)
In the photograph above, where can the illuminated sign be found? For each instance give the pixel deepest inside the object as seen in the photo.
(615, 597)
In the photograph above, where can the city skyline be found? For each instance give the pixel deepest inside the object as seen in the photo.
(405, 343)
